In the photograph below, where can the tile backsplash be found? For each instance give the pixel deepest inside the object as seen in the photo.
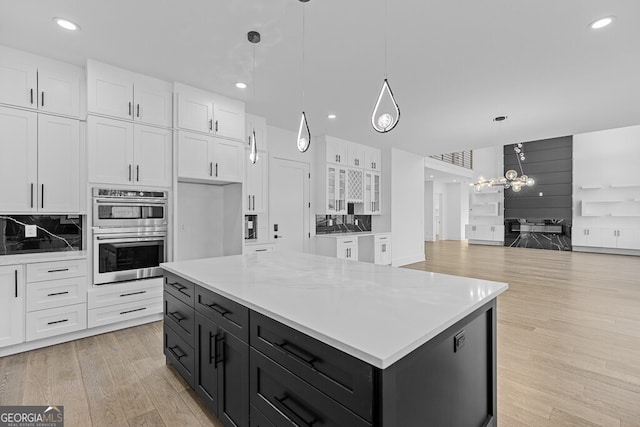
(53, 233)
(328, 224)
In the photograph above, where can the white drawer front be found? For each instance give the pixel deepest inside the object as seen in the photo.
(267, 247)
(118, 313)
(56, 321)
(56, 270)
(56, 293)
(137, 290)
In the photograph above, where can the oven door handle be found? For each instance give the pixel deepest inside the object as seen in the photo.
(131, 239)
(142, 202)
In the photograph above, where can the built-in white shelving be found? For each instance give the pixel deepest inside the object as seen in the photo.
(591, 187)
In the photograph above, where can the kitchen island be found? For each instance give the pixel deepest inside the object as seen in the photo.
(280, 339)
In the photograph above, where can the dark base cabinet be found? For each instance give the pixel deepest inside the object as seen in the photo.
(254, 371)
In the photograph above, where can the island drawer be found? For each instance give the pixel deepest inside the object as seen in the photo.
(341, 376)
(259, 420)
(180, 288)
(286, 400)
(228, 314)
(179, 354)
(180, 317)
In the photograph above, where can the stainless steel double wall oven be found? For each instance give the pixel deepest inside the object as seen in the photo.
(129, 234)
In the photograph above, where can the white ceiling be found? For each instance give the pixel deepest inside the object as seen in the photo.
(453, 65)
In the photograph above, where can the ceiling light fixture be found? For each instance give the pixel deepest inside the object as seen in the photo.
(331, 116)
(304, 135)
(254, 38)
(386, 113)
(66, 24)
(510, 178)
(241, 85)
(601, 23)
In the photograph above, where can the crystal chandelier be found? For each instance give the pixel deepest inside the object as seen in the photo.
(510, 178)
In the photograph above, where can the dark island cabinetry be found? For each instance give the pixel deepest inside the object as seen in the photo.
(252, 370)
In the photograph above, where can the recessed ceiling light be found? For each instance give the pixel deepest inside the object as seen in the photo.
(331, 116)
(66, 24)
(455, 180)
(601, 23)
(430, 176)
(241, 85)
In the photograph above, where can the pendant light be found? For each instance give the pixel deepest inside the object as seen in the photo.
(254, 38)
(386, 113)
(304, 136)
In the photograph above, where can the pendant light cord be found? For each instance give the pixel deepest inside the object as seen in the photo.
(303, 55)
(385, 38)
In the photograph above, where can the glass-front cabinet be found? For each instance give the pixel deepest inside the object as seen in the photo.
(371, 193)
(336, 189)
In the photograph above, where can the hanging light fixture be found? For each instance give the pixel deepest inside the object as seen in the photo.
(254, 38)
(510, 178)
(386, 113)
(304, 136)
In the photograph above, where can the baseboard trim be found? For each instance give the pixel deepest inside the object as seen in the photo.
(408, 260)
(610, 251)
(46, 342)
(486, 242)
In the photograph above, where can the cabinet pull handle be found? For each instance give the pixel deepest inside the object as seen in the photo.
(210, 168)
(221, 310)
(138, 173)
(57, 293)
(133, 293)
(249, 202)
(254, 202)
(218, 339)
(216, 169)
(58, 270)
(32, 194)
(216, 126)
(57, 321)
(307, 422)
(129, 107)
(210, 124)
(178, 356)
(42, 205)
(261, 250)
(179, 288)
(348, 241)
(336, 157)
(16, 282)
(42, 100)
(176, 315)
(138, 110)
(31, 91)
(212, 357)
(129, 172)
(134, 310)
(297, 353)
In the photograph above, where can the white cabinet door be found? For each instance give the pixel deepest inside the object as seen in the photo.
(609, 238)
(153, 101)
(18, 160)
(11, 305)
(256, 183)
(347, 249)
(336, 189)
(152, 155)
(195, 110)
(259, 125)
(109, 91)
(110, 151)
(372, 193)
(355, 155)
(228, 118)
(58, 164)
(336, 152)
(372, 159)
(194, 155)
(18, 82)
(228, 160)
(579, 236)
(59, 89)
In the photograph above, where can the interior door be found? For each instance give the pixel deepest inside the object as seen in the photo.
(289, 204)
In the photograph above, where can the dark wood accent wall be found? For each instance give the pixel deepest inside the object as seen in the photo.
(550, 163)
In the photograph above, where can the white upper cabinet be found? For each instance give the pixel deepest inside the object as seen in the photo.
(31, 81)
(126, 153)
(336, 151)
(259, 125)
(205, 112)
(355, 155)
(122, 94)
(19, 160)
(40, 162)
(207, 158)
(372, 159)
(58, 164)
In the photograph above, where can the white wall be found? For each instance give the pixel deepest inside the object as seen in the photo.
(407, 207)
(456, 210)
(487, 163)
(430, 203)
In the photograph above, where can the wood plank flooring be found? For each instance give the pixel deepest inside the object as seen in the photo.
(568, 332)
(568, 349)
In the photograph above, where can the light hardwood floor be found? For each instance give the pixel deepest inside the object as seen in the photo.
(568, 349)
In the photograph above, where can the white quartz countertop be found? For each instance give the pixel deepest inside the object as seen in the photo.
(41, 257)
(378, 314)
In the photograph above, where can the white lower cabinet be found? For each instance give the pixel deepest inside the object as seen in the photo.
(123, 301)
(250, 248)
(484, 233)
(11, 305)
(56, 293)
(609, 238)
(56, 321)
(375, 248)
(347, 248)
